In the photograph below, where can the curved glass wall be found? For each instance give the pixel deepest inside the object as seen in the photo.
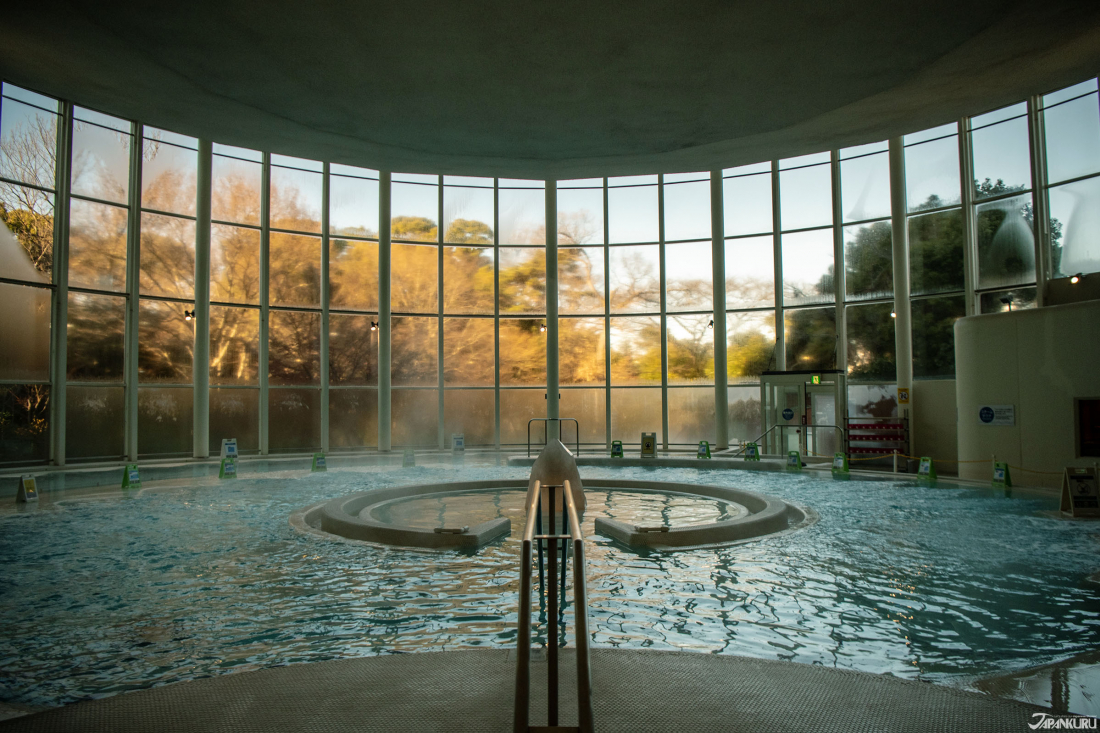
(99, 283)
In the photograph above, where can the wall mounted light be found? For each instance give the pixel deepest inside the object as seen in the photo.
(374, 325)
(1007, 300)
(711, 324)
(893, 314)
(542, 328)
(188, 315)
(1076, 278)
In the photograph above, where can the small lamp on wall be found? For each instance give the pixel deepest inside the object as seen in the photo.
(374, 325)
(1076, 278)
(893, 314)
(188, 315)
(542, 328)
(711, 324)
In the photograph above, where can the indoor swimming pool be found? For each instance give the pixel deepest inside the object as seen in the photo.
(111, 593)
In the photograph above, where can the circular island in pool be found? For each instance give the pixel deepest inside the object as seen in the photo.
(467, 515)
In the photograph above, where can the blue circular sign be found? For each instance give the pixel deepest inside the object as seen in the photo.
(789, 414)
(986, 414)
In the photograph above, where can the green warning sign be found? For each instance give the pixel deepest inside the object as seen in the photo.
(752, 452)
(794, 461)
(927, 469)
(228, 468)
(840, 464)
(704, 449)
(131, 477)
(1002, 479)
(319, 463)
(616, 449)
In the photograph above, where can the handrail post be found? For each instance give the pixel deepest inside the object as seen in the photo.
(521, 718)
(585, 715)
(552, 622)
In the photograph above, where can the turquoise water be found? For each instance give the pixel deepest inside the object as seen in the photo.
(943, 584)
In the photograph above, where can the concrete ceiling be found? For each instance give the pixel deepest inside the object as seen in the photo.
(564, 89)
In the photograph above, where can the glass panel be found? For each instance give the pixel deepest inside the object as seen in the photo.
(806, 197)
(1006, 245)
(168, 176)
(14, 92)
(468, 352)
(865, 187)
(811, 338)
(1069, 92)
(691, 415)
(352, 350)
(234, 152)
(97, 246)
(471, 412)
(353, 274)
(468, 280)
(166, 341)
(95, 337)
(295, 270)
(873, 400)
(681, 177)
(294, 420)
(750, 272)
(635, 350)
(803, 160)
(98, 118)
(25, 431)
(808, 267)
(744, 423)
(1074, 229)
(414, 278)
(750, 345)
(28, 144)
(353, 418)
(294, 356)
(167, 256)
(234, 265)
(744, 170)
(353, 206)
(580, 280)
(632, 215)
(415, 212)
(1008, 300)
(635, 279)
(588, 406)
(234, 346)
(861, 150)
(296, 199)
(416, 178)
(287, 161)
(415, 417)
(747, 204)
(1073, 139)
(1015, 110)
(468, 181)
(28, 214)
(868, 261)
(235, 413)
(236, 192)
(936, 252)
(690, 350)
(934, 335)
(687, 211)
(932, 174)
(1002, 159)
(522, 352)
(580, 216)
(517, 406)
(94, 422)
(25, 333)
(581, 351)
(688, 276)
(164, 421)
(468, 216)
(632, 180)
(635, 411)
(101, 163)
(580, 183)
(522, 280)
(522, 216)
(415, 351)
(871, 342)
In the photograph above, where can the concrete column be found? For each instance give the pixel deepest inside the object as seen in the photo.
(664, 308)
(384, 395)
(780, 359)
(265, 294)
(201, 363)
(59, 336)
(839, 269)
(718, 269)
(903, 328)
(552, 378)
(970, 222)
(325, 296)
(133, 282)
(1041, 205)
(606, 320)
(441, 438)
(496, 313)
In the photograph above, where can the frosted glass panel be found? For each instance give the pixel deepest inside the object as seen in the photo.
(811, 338)
(1006, 245)
(25, 434)
(294, 420)
(414, 351)
(936, 252)
(517, 406)
(353, 206)
(934, 335)
(580, 216)
(522, 352)
(865, 187)
(414, 212)
(588, 406)
(97, 246)
(873, 400)
(691, 415)
(635, 350)
(635, 411)
(635, 279)
(632, 214)
(164, 421)
(1075, 227)
(415, 417)
(1073, 139)
(234, 264)
(101, 162)
(747, 204)
(1002, 160)
(688, 277)
(468, 280)
(294, 354)
(581, 350)
(234, 345)
(522, 280)
(296, 199)
(25, 332)
(687, 211)
(468, 216)
(871, 342)
(522, 215)
(168, 174)
(295, 270)
(235, 413)
(468, 352)
(750, 345)
(167, 256)
(690, 349)
(353, 418)
(806, 197)
(352, 350)
(868, 261)
(95, 337)
(932, 174)
(353, 274)
(94, 422)
(808, 267)
(744, 423)
(166, 342)
(414, 278)
(470, 412)
(580, 280)
(236, 192)
(750, 272)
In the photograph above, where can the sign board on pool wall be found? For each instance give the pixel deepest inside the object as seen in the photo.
(997, 414)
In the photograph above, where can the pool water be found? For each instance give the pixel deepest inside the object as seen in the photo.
(941, 584)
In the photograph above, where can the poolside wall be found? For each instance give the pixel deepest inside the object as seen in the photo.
(934, 426)
(1038, 360)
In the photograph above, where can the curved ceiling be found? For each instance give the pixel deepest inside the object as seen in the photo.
(556, 90)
